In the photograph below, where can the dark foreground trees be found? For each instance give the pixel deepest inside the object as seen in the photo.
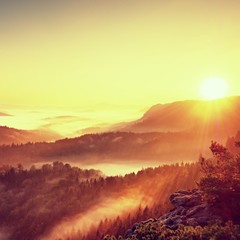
(221, 181)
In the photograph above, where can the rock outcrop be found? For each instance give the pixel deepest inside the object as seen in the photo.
(189, 209)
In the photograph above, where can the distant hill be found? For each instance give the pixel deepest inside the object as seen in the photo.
(16, 136)
(108, 147)
(173, 132)
(216, 119)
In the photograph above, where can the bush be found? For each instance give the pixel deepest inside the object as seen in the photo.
(157, 230)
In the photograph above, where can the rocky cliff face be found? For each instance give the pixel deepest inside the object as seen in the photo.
(189, 209)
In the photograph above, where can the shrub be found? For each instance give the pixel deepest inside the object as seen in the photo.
(157, 230)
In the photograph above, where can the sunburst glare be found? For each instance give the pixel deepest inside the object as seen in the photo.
(213, 88)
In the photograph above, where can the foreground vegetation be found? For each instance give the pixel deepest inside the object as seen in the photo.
(221, 182)
(158, 231)
(220, 186)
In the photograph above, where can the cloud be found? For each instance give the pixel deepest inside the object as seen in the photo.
(67, 125)
(110, 207)
(66, 118)
(5, 114)
(90, 130)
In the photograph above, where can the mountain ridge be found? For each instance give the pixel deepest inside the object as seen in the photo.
(190, 114)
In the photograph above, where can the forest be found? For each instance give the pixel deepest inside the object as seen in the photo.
(36, 201)
(57, 201)
(110, 146)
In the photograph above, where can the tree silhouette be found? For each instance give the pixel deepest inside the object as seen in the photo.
(221, 181)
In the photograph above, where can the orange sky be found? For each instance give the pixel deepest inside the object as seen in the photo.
(73, 54)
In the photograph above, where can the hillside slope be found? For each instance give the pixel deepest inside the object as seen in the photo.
(108, 147)
(216, 119)
(17, 136)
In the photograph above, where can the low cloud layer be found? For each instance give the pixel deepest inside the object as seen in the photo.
(108, 208)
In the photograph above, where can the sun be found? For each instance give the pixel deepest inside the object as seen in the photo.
(213, 88)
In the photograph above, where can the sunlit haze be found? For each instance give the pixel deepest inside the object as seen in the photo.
(134, 54)
(117, 57)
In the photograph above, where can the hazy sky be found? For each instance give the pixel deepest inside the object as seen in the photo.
(85, 53)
